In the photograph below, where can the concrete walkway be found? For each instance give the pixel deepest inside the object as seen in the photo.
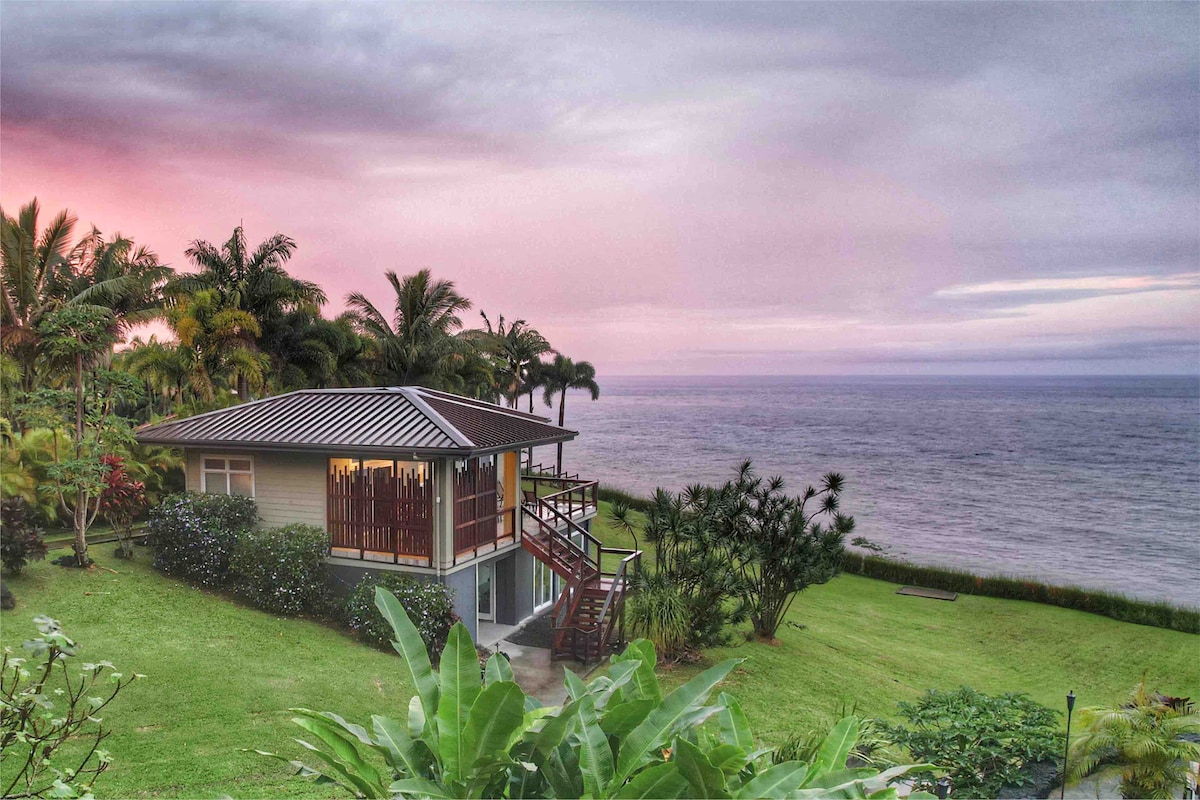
(537, 675)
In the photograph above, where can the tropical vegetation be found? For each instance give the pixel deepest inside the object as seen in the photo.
(76, 374)
(619, 736)
(1152, 738)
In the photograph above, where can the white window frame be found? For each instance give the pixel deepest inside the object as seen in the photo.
(227, 472)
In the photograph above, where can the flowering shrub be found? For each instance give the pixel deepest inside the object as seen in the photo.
(282, 570)
(429, 605)
(194, 535)
(20, 540)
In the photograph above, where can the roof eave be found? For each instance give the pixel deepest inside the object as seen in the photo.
(333, 449)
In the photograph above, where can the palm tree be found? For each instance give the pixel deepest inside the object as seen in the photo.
(559, 376)
(1145, 736)
(420, 344)
(252, 282)
(517, 347)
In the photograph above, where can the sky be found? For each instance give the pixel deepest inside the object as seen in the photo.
(787, 188)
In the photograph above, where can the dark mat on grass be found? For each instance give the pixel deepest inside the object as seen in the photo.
(932, 594)
(537, 633)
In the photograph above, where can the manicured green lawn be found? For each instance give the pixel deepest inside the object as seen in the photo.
(854, 640)
(219, 677)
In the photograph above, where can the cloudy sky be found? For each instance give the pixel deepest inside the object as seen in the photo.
(783, 188)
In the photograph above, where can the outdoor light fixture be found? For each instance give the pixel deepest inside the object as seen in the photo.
(941, 789)
(1067, 747)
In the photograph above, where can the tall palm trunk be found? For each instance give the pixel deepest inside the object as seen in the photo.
(562, 418)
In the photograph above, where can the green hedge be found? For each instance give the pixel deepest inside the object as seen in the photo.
(283, 570)
(194, 535)
(609, 495)
(1107, 604)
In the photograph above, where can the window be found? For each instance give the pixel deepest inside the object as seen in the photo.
(234, 475)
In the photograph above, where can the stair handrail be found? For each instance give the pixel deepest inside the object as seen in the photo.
(568, 603)
(536, 510)
(556, 536)
(620, 578)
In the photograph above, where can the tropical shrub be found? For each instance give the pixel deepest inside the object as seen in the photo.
(982, 742)
(194, 535)
(658, 611)
(617, 736)
(20, 540)
(282, 570)
(429, 605)
(874, 747)
(743, 550)
(1144, 736)
(121, 502)
(43, 704)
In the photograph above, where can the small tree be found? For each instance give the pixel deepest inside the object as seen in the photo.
(76, 338)
(45, 703)
(779, 546)
(121, 502)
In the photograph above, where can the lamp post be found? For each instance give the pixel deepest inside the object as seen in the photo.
(1067, 746)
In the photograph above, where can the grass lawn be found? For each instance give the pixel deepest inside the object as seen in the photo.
(854, 640)
(219, 677)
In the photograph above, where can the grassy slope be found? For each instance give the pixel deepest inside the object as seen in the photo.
(220, 677)
(861, 643)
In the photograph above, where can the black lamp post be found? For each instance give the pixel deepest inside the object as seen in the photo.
(1067, 746)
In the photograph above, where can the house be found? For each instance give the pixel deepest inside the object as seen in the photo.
(422, 482)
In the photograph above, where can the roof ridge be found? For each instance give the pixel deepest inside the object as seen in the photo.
(414, 396)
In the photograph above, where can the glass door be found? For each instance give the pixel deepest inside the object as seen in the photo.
(543, 585)
(485, 591)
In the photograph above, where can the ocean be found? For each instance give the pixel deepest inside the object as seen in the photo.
(1090, 481)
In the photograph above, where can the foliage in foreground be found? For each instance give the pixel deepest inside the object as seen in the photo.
(982, 741)
(1144, 735)
(430, 606)
(1107, 604)
(617, 736)
(43, 704)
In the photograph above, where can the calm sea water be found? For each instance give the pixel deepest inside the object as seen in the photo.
(1086, 481)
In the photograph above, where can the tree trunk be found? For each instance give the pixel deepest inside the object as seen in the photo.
(79, 523)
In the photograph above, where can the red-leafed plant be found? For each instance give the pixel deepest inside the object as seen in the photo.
(121, 502)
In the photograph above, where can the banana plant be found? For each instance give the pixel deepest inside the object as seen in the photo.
(469, 735)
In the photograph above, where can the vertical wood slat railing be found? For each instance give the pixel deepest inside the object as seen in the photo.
(376, 511)
(479, 522)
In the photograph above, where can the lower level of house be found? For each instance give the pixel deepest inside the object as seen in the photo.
(459, 522)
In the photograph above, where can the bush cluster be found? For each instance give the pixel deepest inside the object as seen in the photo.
(982, 742)
(430, 606)
(282, 570)
(194, 535)
(1106, 604)
(21, 540)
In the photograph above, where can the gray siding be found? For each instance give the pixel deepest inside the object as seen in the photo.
(288, 487)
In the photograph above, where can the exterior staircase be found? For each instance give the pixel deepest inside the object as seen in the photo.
(589, 614)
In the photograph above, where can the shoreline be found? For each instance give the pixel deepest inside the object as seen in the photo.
(1114, 605)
